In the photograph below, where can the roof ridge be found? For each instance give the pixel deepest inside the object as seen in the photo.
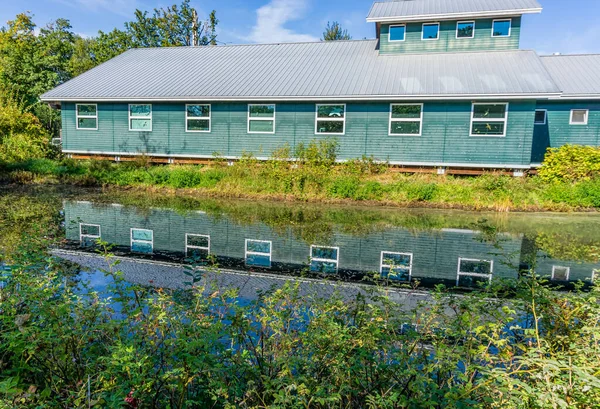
(570, 55)
(460, 52)
(255, 44)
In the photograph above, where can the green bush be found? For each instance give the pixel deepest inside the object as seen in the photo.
(344, 187)
(22, 136)
(424, 192)
(571, 163)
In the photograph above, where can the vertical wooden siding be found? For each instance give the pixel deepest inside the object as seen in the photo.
(482, 40)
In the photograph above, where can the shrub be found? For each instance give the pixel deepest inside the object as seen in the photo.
(571, 163)
(344, 187)
(318, 153)
(422, 192)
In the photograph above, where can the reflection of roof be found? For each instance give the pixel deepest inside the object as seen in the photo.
(407, 10)
(575, 75)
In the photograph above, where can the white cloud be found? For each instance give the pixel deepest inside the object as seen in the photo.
(272, 18)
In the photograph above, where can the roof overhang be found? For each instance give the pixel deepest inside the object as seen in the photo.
(455, 16)
(578, 97)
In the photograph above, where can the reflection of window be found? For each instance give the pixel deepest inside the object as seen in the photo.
(398, 32)
(594, 275)
(431, 31)
(88, 234)
(396, 266)
(540, 116)
(197, 118)
(261, 118)
(197, 245)
(579, 117)
(87, 116)
(501, 28)
(324, 259)
(405, 119)
(140, 117)
(473, 272)
(465, 29)
(560, 273)
(489, 119)
(142, 241)
(331, 119)
(258, 253)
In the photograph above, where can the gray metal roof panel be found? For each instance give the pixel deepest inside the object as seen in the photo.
(416, 9)
(575, 75)
(321, 70)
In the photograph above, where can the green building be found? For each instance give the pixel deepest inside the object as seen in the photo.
(443, 85)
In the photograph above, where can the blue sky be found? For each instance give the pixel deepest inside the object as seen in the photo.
(564, 26)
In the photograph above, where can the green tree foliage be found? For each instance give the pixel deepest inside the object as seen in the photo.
(335, 32)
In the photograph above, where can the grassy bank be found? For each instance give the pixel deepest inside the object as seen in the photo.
(319, 181)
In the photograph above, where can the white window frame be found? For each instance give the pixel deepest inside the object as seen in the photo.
(256, 253)
(595, 272)
(545, 117)
(188, 247)
(262, 118)
(77, 116)
(89, 236)
(465, 22)
(510, 20)
(326, 260)
(587, 117)
(187, 117)
(554, 267)
(392, 120)
(473, 119)
(130, 117)
(390, 33)
(460, 273)
(330, 119)
(382, 265)
(423, 31)
(140, 241)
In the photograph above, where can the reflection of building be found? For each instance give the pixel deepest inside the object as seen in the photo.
(447, 256)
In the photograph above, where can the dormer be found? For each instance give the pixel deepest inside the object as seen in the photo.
(418, 26)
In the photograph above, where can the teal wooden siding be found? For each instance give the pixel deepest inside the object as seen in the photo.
(482, 40)
(445, 133)
(558, 132)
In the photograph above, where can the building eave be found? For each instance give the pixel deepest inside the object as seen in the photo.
(579, 97)
(454, 16)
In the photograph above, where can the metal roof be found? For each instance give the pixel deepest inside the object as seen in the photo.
(577, 76)
(337, 70)
(407, 10)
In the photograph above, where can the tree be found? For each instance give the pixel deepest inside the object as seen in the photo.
(335, 32)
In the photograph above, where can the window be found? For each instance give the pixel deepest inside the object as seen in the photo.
(473, 272)
(431, 31)
(197, 245)
(324, 259)
(406, 119)
(579, 117)
(142, 241)
(331, 119)
(140, 117)
(89, 234)
(197, 118)
(87, 116)
(560, 273)
(465, 29)
(258, 253)
(261, 118)
(489, 119)
(398, 33)
(501, 28)
(540, 116)
(396, 266)
(594, 275)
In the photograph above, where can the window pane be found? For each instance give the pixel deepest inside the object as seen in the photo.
(406, 111)
(430, 31)
(405, 128)
(465, 30)
(198, 111)
(197, 253)
(90, 230)
(141, 247)
(141, 124)
(492, 111)
(396, 273)
(397, 33)
(579, 117)
(472, 281)
(330, 111)
(198, 125)
(501, 28)
(258, 260)
(258, 247)
(262, 126)
(262, 111)
(88, 241)
(323, 267)
(475, 267)
(140, 110)
(87, 110)
(561, 273)
(87, 123)
(488, 128)
(540, 117)
(330, 127)
(197, 241)
(396, 259)
(325, 253)
(145, 235)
